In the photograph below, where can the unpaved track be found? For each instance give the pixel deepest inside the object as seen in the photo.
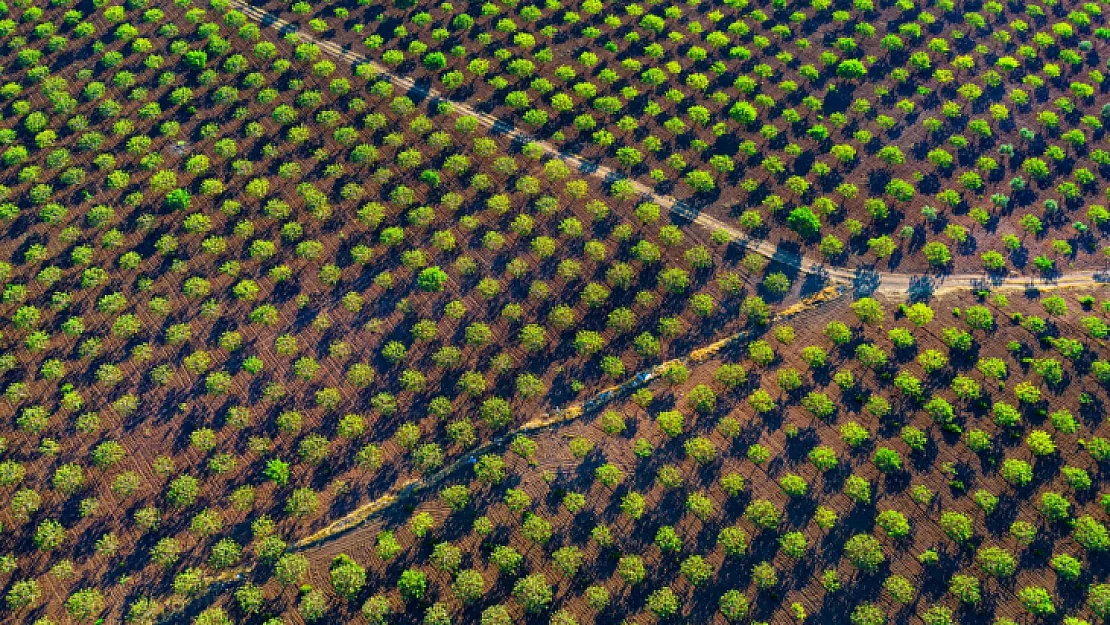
(355, 520)
(864, 281)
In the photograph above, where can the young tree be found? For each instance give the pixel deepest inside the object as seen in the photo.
(734, 540)
(213, 616)
(496, 615)
(23, 594)
(696, 570)
(347, 577)
(894, 523)
(250, 598)
(803, 221)
(937, 254)
(432, 279)
(900, 589)
(85, 604)
(957, 526)
(663, 603)
(631, 569)
(313, 605)
(533, 593)
(868, 310)
(1037, 601)
(868, 614)
(1098, 599)
(469, 586)
(965, 588)
(1091, 534)
(413, 585)
(864, 552)
(996, 562)
(763, 513)
(290, 569)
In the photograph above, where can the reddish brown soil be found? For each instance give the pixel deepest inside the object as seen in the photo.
(799, 580)
(167, 415)
(869, 173)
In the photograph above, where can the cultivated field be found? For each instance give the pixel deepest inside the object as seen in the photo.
(243, 283)
(906, 467)
(285, 343)
(930, 135)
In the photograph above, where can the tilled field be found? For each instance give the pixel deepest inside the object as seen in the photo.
(894, 125)
(249, 291)
(969, 528)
